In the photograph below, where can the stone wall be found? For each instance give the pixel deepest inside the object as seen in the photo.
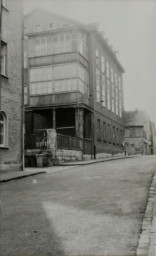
(53, 155)
(68, 155)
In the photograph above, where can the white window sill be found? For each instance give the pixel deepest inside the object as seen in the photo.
(4, 147)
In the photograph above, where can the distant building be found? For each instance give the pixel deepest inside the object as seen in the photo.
(11, 87)
(137, 133)
(73, 83)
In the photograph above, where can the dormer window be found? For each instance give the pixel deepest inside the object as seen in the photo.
(25, 30)
(37, 28)
(51, 25)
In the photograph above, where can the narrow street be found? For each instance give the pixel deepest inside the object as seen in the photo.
(87, 210)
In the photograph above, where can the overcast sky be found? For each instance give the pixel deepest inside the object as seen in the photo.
(130, 27)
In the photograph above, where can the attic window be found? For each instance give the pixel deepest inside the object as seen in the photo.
(25, 30)
(51, 25)
(37, 28)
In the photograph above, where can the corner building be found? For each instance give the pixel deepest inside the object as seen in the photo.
(11, 86)
(73, 83)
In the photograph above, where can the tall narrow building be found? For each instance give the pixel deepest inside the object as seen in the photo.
(73, 84)
(11, 88)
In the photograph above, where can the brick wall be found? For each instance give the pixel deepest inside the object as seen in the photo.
(11, 86)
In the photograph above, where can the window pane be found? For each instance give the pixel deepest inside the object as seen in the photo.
(2, 129)
(1, 117)
(3, 58)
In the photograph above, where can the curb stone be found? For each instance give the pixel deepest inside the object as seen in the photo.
(143, 248)
(20, 177)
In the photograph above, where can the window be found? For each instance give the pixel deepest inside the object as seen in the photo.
(98, 129)
(113, 134)
(25, 95)
(3, 58)
(109, 133)
(117, 100)
(103, 64)
(117, 135)
(51, 25)
(55, 44)
(112, 75)
(119, 81)
(56, 79)
(97, 85)
(97, 58)
(113, 106)
(37, 28)
(104, 131)
(108, 95)
(103, 91)
(120, 110)
(3, 129)
(132, 133)
(82, 45)
(121, 137)
(107, 69)
(132, 145)
(25, 30)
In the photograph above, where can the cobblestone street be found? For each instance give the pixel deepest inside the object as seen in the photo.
(85, 210)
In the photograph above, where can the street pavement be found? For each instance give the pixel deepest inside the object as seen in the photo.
(7, 176)
(84, 210)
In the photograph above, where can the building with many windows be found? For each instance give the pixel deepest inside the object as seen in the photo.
(73, 84)
(11, 87)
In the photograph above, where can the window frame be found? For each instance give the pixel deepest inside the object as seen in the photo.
(37, 28)
(5, 68)
(4, 123)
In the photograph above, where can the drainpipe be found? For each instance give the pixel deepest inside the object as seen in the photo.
(93, 99)
(0, 44)
(0, 53)
(22, 98)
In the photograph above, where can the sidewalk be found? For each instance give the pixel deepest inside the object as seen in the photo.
(152, 247)
(147, 240)
(94, 161)
(14, 175)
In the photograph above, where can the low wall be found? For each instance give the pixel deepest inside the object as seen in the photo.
(32, 157)
(63, 155)
(10, 167)
(107, 155)
(87, 157)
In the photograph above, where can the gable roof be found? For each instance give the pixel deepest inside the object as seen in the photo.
(136, 118)
(61, 17)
